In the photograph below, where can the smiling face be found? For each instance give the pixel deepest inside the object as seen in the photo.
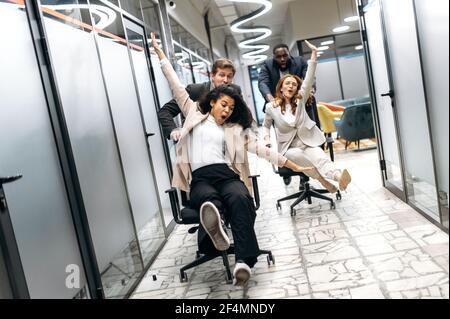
(289, 88)
(222, 109)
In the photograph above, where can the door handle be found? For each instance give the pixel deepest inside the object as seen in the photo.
(9, 179)
(149, 134)
(6, 180)
(390, 94)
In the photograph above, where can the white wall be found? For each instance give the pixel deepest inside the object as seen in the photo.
(354, 76)
(306, 17)
(327, 81)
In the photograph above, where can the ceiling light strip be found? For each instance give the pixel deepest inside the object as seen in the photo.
(258, 48)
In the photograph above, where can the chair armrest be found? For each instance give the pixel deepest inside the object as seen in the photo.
(275, 169)
(255, 190)
(174, 204)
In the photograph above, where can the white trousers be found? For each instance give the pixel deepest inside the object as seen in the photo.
(307, 156)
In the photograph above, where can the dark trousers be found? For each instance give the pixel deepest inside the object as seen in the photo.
(222, 186)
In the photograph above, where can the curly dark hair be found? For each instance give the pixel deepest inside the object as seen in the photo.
(241, 114)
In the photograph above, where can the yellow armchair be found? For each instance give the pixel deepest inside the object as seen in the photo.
(326, 117)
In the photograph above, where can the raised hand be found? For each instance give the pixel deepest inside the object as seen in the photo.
(156, 47)
(313, 50)
(311, 46)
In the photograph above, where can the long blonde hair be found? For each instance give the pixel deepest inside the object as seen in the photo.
(279, 98)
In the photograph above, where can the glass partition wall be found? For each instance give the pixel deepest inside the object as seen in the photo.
(408, 78)
(40, 215)
(108, 91)
(102, 98)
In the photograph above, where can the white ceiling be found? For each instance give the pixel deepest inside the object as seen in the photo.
(289, 19)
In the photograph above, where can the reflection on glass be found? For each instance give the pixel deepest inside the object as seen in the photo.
(73, 13)
(108, 27)
(185, 40)
(150, 11)
(200, 69)
(92, 136)
(133, 7)
(183, 59)
(149, 225)
(422, 195)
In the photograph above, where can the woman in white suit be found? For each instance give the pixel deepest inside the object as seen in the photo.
(299, 139)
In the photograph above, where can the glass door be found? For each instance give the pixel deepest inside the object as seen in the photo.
(376, 53)
(149, 106)
(406, 69)
(398, 84)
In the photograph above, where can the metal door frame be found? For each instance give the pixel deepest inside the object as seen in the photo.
(10, 249)
(386, 183)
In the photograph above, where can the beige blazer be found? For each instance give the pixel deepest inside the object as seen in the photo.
(303, 126)
(237, 140)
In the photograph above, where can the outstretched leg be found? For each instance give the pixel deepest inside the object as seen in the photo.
(201, 192)
(241, 213)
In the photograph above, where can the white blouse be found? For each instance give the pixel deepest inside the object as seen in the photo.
(207, 144)
(288, 116)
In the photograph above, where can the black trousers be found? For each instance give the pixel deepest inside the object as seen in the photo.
(222, 186)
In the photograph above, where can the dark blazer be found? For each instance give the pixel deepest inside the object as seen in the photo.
(171, 109)
(270, 74)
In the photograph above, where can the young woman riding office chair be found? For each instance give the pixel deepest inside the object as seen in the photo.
(212, 164)
(299, 139)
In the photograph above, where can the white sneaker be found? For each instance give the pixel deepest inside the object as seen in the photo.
(210, 219)
(241, 273)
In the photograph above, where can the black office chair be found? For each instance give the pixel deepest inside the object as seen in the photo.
(305, 190)
(188, 216)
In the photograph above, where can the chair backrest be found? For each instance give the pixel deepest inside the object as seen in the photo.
(357, 123)
(326, 117)
(344, 103)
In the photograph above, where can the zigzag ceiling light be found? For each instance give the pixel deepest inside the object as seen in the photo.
(235, 26)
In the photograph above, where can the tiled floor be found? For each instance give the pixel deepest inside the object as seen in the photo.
(371, 246)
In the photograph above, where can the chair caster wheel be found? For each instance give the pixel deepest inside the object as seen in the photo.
(197, 255)
(183, 276)
(332, 205)
(287, 180)
(338, 195)
(278, 206)
(270, 259)
(229, 279)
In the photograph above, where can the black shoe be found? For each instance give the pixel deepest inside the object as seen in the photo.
(287, 180)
